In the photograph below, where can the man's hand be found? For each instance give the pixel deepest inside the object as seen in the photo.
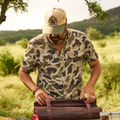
(41, 96)
(89, 90)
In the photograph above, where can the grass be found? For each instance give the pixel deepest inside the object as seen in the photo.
(110, 52)
(16, 101)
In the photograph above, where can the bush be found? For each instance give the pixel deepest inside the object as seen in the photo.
(93, 34)
(111, 78)
(23, 42)
(8, 64)
(102, 43)
(2, 42)
(116, 35)
(7, 43)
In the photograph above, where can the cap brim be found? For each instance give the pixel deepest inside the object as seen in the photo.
(53, 29)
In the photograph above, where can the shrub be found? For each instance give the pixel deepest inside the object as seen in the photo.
(23, 42)
(2, 42)
(111, 78)
(8, 64)
(102, 43)
(116, 35)
(7, 43)
(93, 34)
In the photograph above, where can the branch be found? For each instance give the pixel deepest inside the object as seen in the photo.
(96, 10)
(15, 4)
(3, 11)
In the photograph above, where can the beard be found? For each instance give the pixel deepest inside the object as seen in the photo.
(55, 40)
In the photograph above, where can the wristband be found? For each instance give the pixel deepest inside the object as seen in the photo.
(35, 90)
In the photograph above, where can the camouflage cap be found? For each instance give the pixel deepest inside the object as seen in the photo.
(55, 20)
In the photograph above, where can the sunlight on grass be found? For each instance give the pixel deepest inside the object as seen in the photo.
(110, 52)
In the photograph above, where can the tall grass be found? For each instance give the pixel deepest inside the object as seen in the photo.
(16, 101)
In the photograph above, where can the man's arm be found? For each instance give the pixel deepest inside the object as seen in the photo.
(89, 88)
(27, 80)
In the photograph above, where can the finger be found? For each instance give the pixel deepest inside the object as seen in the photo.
(88, 97)
(42, 100)
(82, 94)
(45, 96)
(88, 100)
(39, 102)
(91, 99)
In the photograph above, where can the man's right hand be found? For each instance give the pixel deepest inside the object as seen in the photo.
(41, 96)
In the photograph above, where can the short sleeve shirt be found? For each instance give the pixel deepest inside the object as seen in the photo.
(59, 73)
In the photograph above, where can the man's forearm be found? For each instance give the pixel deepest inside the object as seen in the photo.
(27, 80)
(95, 73)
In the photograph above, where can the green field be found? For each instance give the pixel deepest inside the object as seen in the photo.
(16, 101)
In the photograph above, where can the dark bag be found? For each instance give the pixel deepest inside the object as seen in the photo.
(67, 110)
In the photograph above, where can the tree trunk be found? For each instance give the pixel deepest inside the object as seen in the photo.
(3, 11)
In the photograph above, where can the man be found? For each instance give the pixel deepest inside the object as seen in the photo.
(59, 54)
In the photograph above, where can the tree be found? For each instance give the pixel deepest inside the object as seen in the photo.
(15, 4)
(93, 7)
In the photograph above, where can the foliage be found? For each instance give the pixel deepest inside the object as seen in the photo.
(112, 24)
(15, 4)
(2, 42)
(116, 35)
(96, 10)
(111, 79)
(7, 43)
(18, 5)
(94, 34)
(23, 42)
(13, 36)
(8, 64)
(16, 101)
(102, 43)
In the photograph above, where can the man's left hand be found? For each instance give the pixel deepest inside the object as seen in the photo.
(89, 90)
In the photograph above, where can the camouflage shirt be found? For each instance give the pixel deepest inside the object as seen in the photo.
(59, 73)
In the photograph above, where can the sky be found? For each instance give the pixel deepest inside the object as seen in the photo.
(76, 10)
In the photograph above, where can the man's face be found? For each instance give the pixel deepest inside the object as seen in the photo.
(55, 37)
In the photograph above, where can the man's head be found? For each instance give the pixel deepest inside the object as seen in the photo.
(55, 21)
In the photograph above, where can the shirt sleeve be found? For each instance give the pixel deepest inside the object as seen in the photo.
(29, 62)
(90, 53)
